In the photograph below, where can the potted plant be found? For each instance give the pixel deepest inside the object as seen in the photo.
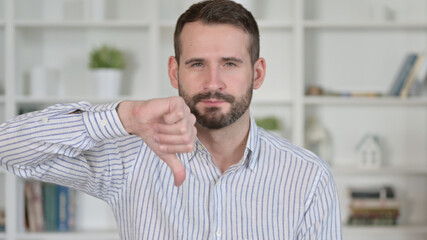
(107, 64)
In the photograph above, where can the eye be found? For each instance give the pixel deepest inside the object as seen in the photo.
(197, 64)
(230, 64)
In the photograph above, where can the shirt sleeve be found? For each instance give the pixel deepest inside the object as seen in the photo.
(76, 145)
(322, 218)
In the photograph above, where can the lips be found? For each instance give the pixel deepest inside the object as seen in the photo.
(212, 102)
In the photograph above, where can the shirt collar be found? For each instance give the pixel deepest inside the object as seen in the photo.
(252, 145)
(250, 156)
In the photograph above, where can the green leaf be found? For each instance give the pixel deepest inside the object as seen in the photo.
(106, 57)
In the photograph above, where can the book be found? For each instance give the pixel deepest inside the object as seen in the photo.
(50, 206)
(63, 206)
(2, 220)
(374, 204)
(34, 206)
(66, 209)
(402, 74)
(384, 192)
(372, 216)
(381, 221)
(375, 212)
(420, 79)
(72, 195)
(409, 81)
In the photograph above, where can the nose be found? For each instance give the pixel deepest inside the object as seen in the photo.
(214, 81)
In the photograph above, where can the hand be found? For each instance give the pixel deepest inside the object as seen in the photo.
(166, 125)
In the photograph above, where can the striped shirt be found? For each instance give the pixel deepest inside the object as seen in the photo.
(277, 190)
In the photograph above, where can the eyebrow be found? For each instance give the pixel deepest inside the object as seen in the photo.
(226, 59)
(233, 59)
(192, 60)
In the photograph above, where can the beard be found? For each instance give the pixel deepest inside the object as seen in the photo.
(212, 117)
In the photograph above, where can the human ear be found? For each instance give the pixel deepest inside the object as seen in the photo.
(173, 72)
(259, 72)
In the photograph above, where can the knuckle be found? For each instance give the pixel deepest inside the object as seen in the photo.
(182, 130)
(190, 147)
(180, 114)
(185, 140)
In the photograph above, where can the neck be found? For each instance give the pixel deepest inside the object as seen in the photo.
(226, 145)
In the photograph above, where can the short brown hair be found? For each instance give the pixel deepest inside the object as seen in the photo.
(220, 12)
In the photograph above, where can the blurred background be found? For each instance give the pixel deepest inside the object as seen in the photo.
(345, 79)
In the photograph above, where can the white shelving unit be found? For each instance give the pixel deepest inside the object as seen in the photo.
(339, 45)
(346, 50)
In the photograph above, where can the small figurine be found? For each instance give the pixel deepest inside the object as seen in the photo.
(368, 152)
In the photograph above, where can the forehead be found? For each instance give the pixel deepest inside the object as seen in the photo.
(200, 38)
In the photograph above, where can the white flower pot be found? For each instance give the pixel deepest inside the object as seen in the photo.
(44, 82)
(107, 82)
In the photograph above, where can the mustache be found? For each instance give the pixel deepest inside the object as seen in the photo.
(213, 95)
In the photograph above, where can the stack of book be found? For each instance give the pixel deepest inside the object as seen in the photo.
(49, 207)
(2, 220)
(411, 76)
(373, 206)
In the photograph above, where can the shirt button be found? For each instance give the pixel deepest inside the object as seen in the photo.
(218, 233)
(103, 122)
(45, 120)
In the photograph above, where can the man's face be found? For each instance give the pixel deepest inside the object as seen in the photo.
(212, 116)
(215, 75)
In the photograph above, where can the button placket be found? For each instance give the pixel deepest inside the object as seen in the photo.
(218, 199)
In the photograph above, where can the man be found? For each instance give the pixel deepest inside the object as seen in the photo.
(233, 180)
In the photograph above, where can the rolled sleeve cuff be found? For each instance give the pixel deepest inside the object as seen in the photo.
(102, 122)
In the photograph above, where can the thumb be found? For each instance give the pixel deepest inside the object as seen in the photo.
(176, 166)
